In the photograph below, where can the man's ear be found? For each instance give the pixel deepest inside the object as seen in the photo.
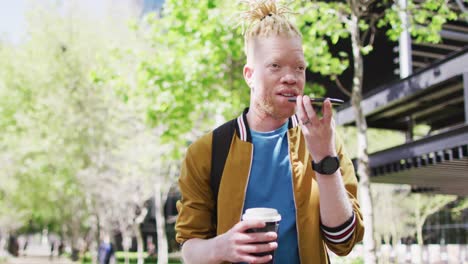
(248, 75)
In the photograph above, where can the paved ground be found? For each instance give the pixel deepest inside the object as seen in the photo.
(37, 253)
(38, 260)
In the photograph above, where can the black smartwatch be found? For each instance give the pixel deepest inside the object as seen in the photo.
(327, 165)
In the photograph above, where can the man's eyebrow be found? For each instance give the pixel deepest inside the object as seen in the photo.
(300, 61)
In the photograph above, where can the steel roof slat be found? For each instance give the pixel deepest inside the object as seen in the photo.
(439, 142)
(390, 94)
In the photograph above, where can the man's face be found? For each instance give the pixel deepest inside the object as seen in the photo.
(275, 71)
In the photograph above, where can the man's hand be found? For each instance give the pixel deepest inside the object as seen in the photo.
(236, 245)
(319, 132)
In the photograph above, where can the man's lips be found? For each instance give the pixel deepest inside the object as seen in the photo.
(287, 95)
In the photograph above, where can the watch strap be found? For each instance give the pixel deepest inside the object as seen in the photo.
(319, 166)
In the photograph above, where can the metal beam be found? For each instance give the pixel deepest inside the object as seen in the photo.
(452, 35)
(433, 144)
(418, 64)
(415, 105)
(438, 46)
(389, 94)
(455, 28)
(428, 54)
(465, 94)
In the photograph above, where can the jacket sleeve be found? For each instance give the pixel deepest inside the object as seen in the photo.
(195, 206)
(342, 239)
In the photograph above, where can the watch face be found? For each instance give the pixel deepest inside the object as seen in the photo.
(330, 165)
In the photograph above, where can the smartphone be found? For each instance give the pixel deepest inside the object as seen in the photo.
(319, 101)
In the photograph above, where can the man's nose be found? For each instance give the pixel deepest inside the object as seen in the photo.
(289, 78)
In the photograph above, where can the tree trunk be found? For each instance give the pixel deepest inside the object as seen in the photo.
(126, 242)
(2, 241)
(362, 156)
(419, 232)
(97, 237)
(387, 243)
(419, 224)
(420, 240)
(163, 256)
(395, 243)
(140, 243)
(75, 236)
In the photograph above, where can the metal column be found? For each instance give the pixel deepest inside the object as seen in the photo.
(406, 61)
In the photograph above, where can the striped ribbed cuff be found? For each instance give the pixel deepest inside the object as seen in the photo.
(342, 233)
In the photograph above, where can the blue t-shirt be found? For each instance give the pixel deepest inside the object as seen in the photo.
(270, 185)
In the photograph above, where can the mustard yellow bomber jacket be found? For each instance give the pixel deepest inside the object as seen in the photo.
(195, 207)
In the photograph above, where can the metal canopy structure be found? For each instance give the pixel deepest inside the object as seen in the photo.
(434, 96)
(436, 163)
(437, 96)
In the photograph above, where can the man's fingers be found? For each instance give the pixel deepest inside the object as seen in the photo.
(253, 259)
(259, 248)
(243, 226)
(309, 110)
(301, 114)
(327, 110)
(260, 237)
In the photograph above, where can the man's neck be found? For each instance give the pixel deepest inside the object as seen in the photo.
(262, 122)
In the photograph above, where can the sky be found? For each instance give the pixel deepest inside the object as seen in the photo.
(13, 13)
(12, 21)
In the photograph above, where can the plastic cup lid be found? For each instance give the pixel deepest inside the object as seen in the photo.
(261, 213)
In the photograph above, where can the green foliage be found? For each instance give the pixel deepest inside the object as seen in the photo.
(29, 132)
(52, 116)
(193, 68)
(391, 197)
(321, 26)
(460, 207)
(422, 206)
(349, 135)
(425, 20)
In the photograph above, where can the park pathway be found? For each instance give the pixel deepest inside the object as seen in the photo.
(38, 260)
(37, 253)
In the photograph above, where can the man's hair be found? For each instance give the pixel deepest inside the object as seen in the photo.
(265, 18)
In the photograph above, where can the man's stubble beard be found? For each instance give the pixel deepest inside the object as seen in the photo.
(266, 105)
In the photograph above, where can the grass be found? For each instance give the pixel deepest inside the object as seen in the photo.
(133, 257)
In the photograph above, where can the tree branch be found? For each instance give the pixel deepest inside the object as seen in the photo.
(339, 13)
(373, 29)
(341, 86)
(462, 8)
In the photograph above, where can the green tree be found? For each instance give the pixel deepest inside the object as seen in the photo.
(460, 207)
(55, 118)
(422, 206)
(394, 220)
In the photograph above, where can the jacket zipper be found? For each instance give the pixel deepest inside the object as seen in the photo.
(294, 199)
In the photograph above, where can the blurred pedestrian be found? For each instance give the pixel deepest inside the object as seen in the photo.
(106, 251)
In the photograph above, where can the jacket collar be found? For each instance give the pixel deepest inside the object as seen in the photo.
(243, 129)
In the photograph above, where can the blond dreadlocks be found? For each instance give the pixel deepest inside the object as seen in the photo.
(265, 18)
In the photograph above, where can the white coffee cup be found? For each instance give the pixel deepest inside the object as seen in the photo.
(270, 216)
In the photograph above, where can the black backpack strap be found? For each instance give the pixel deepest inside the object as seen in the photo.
(222, 137)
